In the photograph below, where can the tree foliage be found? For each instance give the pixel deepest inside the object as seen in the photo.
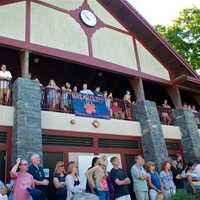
(184, 35)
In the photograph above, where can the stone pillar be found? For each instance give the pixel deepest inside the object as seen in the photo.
(27, 132)
(190, 134)
(153, 139)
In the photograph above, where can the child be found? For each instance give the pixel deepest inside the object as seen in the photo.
(3, 193)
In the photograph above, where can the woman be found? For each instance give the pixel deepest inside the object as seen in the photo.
(89, 188)
(23, 181)
(101, 175)
(192, 181)
(117, 112)
(154, 182)
(59, 181)
(179, 161)
(128, 105)
(72, 181)
(166, 177)
(165, 113)
(52, 91)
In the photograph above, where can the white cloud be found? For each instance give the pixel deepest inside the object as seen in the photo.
(161, 11)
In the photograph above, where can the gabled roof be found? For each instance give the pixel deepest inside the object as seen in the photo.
(145, 33)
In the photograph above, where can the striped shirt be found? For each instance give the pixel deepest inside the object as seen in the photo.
(4, 83)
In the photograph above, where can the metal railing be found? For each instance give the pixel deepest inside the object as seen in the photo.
(61, 101)
(121, 109)
(5, 92)
(166, 116)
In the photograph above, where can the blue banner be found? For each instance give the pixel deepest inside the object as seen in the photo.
(90, 106)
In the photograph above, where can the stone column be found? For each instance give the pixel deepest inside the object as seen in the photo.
(190, 134)
(153, 139)
(27, 132)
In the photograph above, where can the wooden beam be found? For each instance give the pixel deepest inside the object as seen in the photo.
(175, 96)
(24, 63)
(137, 85)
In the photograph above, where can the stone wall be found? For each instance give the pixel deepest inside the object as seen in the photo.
(190, 134)
(153, 139)
(27, 132)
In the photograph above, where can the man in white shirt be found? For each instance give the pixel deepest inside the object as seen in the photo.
(5, 78)
(197, 169)
(85, 90)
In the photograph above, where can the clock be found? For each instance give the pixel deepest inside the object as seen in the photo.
(88, 18)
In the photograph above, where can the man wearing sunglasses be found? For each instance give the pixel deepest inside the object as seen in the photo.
(38, 174)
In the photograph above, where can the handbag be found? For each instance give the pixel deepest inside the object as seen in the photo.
(160, 196)
(35, 193)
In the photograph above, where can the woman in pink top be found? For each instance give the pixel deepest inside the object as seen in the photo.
(23, 180)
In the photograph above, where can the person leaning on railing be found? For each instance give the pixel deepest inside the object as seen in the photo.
(165, 113)
(128, 105)
(5, 79)
(53, 95)
(66, 91)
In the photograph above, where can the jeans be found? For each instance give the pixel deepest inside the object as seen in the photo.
(103, 195)
(153, 194)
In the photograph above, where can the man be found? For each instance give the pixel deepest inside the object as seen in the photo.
(120, 180)
(85, 90)
(97, 92)
(176, 172)
(38, 174)
(139, 176)
(5, 78)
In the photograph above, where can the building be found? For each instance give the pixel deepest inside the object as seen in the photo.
(101, 42)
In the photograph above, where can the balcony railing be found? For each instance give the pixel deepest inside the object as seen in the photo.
(166, 116)
(61, 101)
(5, 92)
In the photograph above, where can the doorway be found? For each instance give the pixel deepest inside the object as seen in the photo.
(2, 165)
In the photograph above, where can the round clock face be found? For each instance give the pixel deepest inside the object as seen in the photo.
(88, 18)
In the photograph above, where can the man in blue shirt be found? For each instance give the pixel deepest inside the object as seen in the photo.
(38, 174)
(139, 176)
(120, 180)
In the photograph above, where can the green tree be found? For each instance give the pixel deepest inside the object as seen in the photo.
(184, 35)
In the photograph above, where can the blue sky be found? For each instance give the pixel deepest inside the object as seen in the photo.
(162, 11)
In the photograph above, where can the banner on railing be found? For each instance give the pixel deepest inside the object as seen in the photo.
(90, 106)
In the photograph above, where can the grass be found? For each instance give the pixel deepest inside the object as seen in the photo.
(185, 196)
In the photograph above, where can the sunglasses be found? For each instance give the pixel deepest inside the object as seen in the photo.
(24, 164)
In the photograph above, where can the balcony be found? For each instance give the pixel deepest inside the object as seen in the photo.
(58, 101)
(167, 118)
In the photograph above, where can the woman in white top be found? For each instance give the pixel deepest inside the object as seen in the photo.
(5, 79)
(72, 181)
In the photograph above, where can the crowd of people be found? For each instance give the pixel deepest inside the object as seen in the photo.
(59, 98)
(29, 182)
(166, 112)
(55, 98)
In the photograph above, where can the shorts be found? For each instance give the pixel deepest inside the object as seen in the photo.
(142, 195)
(3, 92)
